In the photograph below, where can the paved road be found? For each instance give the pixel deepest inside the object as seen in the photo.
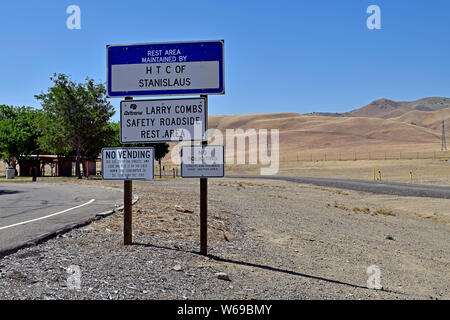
(379, 187)
(30, 210)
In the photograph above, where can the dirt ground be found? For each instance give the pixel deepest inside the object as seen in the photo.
(274, 240)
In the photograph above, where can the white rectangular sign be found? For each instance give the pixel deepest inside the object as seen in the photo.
(197, 75)
(128, 163)
(173, 68)
(162, 120)
(202, 161)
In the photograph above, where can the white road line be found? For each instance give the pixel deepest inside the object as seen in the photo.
(50, 215)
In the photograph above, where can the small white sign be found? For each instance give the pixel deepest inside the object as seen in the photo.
(128, 163)
(202, 161)
(162, 120)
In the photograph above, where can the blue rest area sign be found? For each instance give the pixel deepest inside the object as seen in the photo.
(173, 68)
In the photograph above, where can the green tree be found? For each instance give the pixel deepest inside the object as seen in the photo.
(79, 114)
(53, 140)
(115, 137)
(19, 133)
(161, 149)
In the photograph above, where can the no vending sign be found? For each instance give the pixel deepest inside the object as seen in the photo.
(128, 163)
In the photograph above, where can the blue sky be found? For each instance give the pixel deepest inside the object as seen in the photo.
(280, 56)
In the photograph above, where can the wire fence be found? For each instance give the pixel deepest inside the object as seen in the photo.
(170, 169)
(410, 155)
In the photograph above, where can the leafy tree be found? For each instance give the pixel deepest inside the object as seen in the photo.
(161, 149)
(53, 139)
(19, 133)
(79, 115)
(115, 137)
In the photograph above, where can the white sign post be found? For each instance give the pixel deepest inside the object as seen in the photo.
(159, 120)
(161, 69)
(205, 161)
(128, 163)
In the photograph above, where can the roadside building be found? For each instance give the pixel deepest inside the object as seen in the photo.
(51, 165)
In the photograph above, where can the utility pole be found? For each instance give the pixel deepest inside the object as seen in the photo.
(444, 143)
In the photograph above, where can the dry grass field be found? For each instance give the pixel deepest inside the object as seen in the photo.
(428, 171)
(383, 129)
(305, 135)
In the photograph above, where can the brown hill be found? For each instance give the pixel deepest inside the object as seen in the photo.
(383, 108)
(386, 109)
(381, 126)
(322, 134)
(426, 119)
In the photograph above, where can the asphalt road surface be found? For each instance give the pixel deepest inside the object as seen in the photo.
(29, 211)
(378, 187)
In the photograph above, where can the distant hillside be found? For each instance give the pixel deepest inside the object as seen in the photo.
(381, 126)
(324, 134)
(386, 109)
(426, 119)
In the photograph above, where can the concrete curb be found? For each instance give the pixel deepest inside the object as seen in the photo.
(53, 234)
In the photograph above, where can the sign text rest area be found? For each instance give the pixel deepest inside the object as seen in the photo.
(162, 120)
(165, 68)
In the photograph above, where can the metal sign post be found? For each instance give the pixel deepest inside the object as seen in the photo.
(128, 164)
(127, 212)
(205, 161)
(204, 204)
(128, 208)
(204, 216)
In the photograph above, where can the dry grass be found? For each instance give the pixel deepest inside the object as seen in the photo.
(340, 206)
(305, 135)
(277, 196)
(364, 210)
(243, 184)
(385, 212)
(333, 191)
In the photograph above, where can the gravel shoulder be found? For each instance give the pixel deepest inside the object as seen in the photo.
(273, 239)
